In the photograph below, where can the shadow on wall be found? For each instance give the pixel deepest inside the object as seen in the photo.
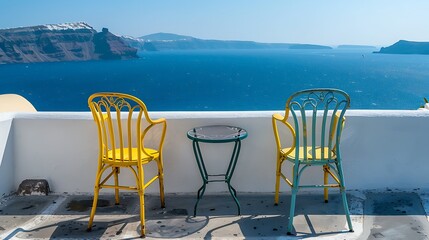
(6, 158)
(9, 103)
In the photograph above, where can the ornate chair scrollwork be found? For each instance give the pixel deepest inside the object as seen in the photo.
(123, 123)
(315, 120)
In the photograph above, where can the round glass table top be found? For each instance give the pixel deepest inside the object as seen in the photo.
(217, 134)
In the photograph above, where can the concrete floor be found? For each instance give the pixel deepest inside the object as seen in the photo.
(375, 214)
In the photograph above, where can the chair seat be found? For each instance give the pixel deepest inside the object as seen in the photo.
(133, 160)
(291, 155)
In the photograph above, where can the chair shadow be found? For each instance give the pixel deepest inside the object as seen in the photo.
(261, 219)
(268, 227)
(216, 216)
(70, 218)
(61, 229)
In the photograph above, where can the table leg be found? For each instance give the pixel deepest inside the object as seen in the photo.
(203, 172)
(230, 172)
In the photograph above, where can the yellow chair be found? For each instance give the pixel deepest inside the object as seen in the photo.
(123, 123)
(316, 133)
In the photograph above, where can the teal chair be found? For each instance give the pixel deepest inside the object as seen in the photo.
(317, 117)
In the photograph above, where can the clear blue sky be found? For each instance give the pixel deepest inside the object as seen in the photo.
(329, 22)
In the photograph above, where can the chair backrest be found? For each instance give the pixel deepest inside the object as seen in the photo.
(122, 122)
(318, 118)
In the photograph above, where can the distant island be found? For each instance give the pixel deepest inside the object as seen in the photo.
(406, 47)
(61, 42)
(169, 41)
(356, 47)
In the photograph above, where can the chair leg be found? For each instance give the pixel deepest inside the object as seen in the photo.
(94, 201)
(292, 210)
(277, 188)
(346, 209)
(142, 216)
(325, 181)
(295, 177)
(344, 197)
(116, 169)
(161, 182)
(140, 183)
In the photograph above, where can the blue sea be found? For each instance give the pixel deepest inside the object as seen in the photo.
(227, 80)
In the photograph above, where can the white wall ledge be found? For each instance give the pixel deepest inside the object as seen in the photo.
(379, 148)
(213, 114)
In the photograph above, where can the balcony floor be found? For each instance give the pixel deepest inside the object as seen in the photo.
(375, 214)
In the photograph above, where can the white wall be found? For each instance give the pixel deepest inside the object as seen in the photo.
(6, 155)
(380, 149)
(386, 149)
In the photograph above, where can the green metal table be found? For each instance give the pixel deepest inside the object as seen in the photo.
(216, 134)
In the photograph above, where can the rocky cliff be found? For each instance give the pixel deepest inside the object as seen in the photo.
(406, 47)
(61, 42)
